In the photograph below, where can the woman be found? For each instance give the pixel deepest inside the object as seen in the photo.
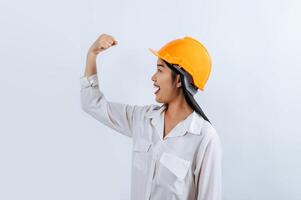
(176, 151)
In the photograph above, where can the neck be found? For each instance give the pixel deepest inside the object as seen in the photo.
(178, 108)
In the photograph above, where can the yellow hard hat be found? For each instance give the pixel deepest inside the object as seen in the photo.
(189, 54)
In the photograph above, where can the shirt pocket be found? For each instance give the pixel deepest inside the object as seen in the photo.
(172, 171)
(141, 154)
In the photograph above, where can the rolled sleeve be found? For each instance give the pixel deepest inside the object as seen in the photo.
(121, 117)
(209, 170)
(88, 81)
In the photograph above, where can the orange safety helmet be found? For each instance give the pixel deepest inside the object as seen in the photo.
(189, 54)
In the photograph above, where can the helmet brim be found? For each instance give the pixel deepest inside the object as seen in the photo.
(154, 52)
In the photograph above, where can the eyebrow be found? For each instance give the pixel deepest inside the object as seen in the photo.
(160, 65)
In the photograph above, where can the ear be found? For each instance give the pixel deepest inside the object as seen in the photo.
(178, 79)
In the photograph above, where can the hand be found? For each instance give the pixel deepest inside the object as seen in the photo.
(102, 43)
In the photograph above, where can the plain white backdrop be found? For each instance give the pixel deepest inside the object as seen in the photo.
(51, 149)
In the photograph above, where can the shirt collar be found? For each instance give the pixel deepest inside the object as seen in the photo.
(192, 124)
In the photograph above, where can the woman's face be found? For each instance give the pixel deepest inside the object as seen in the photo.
(164, 88)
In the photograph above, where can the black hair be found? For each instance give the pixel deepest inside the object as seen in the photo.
(188, 97)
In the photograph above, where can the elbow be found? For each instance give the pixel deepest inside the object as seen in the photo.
(85, 106)
(91, 101)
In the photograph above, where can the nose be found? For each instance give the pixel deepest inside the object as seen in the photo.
(153, 78)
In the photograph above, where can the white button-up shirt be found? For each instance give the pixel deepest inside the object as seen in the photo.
(184, 165)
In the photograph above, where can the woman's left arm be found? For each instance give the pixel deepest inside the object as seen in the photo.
(209, 169)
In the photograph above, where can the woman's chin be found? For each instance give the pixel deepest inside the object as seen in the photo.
(159, 100)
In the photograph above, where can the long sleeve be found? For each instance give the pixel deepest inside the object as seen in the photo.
(209, 170)
(120, 117)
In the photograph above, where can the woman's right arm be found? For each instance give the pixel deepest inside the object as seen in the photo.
(118, 116)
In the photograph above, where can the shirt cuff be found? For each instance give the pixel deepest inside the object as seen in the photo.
(88, 81)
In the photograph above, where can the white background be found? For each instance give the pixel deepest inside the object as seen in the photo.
(51, 149)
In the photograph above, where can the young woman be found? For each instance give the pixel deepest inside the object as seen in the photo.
(176, 152)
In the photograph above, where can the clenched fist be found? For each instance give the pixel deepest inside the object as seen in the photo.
(102, 43)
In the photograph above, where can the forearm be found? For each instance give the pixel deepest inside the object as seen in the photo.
(102, 43)
(90, 64)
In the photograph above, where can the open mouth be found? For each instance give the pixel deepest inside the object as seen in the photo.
(156, 89)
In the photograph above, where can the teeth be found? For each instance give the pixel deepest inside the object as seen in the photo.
(156, 89)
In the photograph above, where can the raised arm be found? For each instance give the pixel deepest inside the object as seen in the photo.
(120, 117)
